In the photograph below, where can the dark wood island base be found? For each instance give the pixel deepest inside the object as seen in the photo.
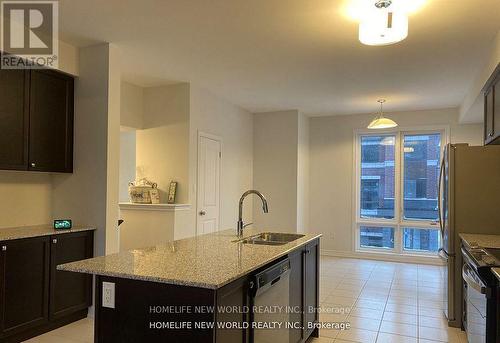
(146, 311)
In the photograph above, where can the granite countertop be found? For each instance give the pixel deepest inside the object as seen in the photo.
(10, 233)
(483, 241)
(206, 261)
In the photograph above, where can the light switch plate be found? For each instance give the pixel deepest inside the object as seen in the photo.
(108, 294)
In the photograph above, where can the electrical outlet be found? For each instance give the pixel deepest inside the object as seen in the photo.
(108, 294)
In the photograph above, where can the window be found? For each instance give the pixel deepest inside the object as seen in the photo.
(421, 174)
(377, 176)
(377, 237)
(421, 240)
(396, 191)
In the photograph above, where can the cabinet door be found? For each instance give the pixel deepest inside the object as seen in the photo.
(296, 293)
(69, 292)
(311, 285)
(488, 116)
(24, 284)
(14, 96)
(233, 295)
(51, 122)
(496, 111)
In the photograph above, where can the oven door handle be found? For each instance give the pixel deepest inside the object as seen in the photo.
(471, 282)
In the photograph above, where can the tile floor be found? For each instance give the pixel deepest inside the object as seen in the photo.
(81, 331)
(384, 302)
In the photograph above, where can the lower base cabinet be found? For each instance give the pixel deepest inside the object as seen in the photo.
(304, 290)
(34, 296)
(150, 316)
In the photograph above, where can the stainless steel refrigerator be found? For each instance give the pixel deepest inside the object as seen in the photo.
(469, 202)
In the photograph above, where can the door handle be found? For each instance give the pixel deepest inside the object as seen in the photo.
(441, 176)
(469, 279)
(442, 254)
(4, 248)
(202, 213)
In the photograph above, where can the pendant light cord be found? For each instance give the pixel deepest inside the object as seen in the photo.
(381, 101)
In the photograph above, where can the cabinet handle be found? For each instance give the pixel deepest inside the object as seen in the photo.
(54, 240)
(4, 248)
(33, 164)
(308, 251)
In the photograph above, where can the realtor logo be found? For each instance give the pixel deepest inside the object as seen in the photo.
(29, 38)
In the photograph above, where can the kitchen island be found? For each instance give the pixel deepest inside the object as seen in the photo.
(203, 289)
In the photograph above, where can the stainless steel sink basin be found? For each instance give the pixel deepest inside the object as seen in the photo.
(271, 238)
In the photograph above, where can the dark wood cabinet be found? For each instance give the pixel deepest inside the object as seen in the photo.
(34, 296)
(296, 293)
(24, 284)
(142, 318)
(234, 295)
(36, 120)
(489, 130)
(311, 288)
(14, 119)
(496, 110)
(51, 122)
(492, 109)
(69, 292)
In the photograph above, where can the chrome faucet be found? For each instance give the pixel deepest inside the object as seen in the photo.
(241, 226)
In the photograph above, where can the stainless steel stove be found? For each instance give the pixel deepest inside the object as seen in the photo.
(481, 299)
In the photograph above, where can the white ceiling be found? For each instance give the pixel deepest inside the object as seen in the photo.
(269, 55)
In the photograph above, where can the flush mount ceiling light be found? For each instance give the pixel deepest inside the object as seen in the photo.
(383, 25)
(381, 122)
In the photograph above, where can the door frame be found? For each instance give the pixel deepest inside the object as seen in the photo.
(202, 134)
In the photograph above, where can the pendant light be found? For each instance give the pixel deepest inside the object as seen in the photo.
(381, 122)
(384, 25)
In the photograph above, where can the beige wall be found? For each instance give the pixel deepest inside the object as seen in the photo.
(167, 147)
(213, 115)
(163, 144)
(25, 198)
(142, 229)
(303, 174)
(68, 58)
(275, 168)
(332, 169)
(132, 106)
(127, 162)
(472, 108)
(90, 195)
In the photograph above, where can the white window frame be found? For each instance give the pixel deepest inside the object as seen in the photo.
(398, 223)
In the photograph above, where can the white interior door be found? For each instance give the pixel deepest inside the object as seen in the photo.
(209, 170)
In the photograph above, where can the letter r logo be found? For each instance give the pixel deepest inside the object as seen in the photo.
(29, 27)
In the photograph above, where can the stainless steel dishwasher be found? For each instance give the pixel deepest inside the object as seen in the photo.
(270, 304)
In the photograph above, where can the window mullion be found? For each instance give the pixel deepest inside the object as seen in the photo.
(398, 162)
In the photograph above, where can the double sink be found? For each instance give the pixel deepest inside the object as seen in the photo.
(270, 238)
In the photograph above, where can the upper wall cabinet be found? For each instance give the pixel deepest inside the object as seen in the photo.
(36, 120)
(492, 109)
(14, 119)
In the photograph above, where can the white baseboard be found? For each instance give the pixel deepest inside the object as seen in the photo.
(384, 257)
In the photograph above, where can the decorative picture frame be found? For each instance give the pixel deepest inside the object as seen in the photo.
(172, 190)
(154, 194)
